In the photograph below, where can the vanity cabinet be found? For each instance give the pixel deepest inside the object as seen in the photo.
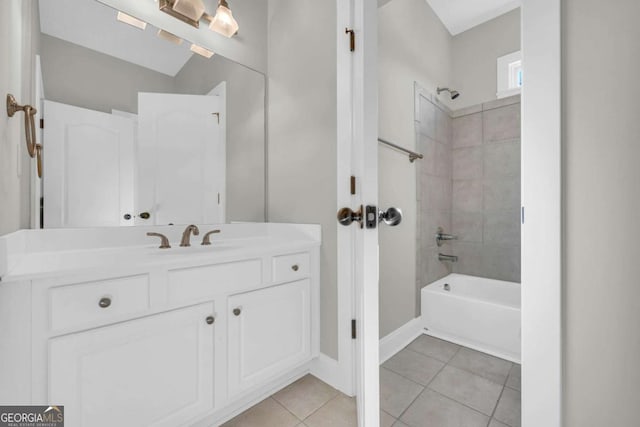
(269, 332)
(140, 336)
(157, 370)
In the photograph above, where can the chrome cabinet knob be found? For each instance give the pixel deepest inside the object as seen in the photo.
(237, 311)
(104, 302)
(210, 320)
(295, 267)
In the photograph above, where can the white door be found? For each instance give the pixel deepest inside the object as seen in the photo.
(268, 333)
(181, 158)
(153, 371)
(88, 168)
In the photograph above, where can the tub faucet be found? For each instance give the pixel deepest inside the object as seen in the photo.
(449, 258)
(441, 236)
(187, 235)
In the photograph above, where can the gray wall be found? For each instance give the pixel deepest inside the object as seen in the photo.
(434, 133)
(85, 78)
(19, 43)
(245, 129)
(486, 190)
(419, 53)
(601, 44)
(302, 134)
(475, 52)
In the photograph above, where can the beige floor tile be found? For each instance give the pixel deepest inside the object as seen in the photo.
(432, 409)
(514, 379)
(267, 413)
(414, 366)
(400, 424)
(305, 396)
(338, 412)
(508, 410)
(496, 423)
(489, 367)
(434, 347)
(386, 420)
(467, 388)
(396, 392)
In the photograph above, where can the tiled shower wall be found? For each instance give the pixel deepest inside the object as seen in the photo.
(469, 184)
(486, 190)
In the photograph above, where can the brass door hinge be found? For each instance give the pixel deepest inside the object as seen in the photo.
(353, 329)
(41, 123)
(353, 184)
(352, 38)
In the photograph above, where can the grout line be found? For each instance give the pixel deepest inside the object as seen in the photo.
(497, 402)
(285, 408)
(460, 403)
(325, 404)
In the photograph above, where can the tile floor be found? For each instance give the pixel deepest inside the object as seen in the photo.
(429, 383)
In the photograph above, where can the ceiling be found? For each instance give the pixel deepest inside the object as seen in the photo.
(460, 15)
(93, 25)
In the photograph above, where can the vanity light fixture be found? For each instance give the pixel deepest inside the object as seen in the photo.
(192, 11)
(166, 35)
(223, 22)
(134, 22)
(201, 51)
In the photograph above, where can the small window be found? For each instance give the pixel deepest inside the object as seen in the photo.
(509, 74)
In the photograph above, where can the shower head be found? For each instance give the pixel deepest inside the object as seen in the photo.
(454, 93)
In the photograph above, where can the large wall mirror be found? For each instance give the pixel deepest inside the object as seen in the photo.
(140, 128)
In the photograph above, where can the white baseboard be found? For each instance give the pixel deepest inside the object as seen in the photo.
(399, 339)
(472, 345)
(328, 370)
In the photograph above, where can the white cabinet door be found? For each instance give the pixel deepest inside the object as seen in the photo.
(182, 158)
(153, 371)
(88, 167)
(269, 332)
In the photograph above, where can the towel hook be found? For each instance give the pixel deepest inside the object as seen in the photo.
(33, 148)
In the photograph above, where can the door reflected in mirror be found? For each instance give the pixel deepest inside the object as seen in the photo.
(145, 132)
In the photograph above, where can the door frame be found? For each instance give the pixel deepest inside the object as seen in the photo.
(541, 196)
(357, 156)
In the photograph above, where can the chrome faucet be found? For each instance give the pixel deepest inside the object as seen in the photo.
(448, 258)
(441, 236)
(187, 235)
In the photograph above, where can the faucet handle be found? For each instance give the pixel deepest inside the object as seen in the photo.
(164, 242)
(206, 239)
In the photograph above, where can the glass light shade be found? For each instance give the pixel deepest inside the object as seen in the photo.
(192, 9)
(223, 22)
(201, 51)
(134, 22)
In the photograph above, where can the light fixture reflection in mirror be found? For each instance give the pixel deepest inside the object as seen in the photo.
(201, 51)
(223, 22)
(192, 11)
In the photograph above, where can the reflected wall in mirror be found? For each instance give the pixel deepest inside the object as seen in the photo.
(142, 131)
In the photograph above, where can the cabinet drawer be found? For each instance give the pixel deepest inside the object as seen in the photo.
(97, 303)
(204, 283)
(290, 267)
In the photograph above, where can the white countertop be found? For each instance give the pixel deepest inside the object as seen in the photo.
(38, 254)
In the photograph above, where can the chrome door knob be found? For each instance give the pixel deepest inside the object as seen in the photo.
(391, 217)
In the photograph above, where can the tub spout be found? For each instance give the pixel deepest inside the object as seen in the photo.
(448, 258)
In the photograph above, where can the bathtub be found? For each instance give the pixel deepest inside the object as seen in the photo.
(483, 314)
